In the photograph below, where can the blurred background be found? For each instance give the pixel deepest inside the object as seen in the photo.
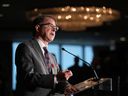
(94, 30)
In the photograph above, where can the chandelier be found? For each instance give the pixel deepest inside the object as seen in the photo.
(77, 18)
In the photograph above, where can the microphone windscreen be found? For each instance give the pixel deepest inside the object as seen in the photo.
(62, 48)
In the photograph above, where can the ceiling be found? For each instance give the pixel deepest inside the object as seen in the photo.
(13, 15)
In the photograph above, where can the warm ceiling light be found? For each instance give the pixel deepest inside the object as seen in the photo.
(6, 5)
(77, 18)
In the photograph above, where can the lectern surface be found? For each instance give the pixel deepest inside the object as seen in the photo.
(90, 83)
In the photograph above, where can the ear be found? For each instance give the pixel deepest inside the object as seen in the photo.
(37, 27)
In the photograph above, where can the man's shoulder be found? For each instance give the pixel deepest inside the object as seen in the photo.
(25, 43)
(28, 42)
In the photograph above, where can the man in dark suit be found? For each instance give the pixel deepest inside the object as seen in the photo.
(36, 74)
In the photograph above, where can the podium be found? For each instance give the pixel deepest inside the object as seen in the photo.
(91, 86)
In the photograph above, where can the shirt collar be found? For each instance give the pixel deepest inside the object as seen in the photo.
(41, 43)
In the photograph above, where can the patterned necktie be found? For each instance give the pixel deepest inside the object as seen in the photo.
(46, 55)
(47, 59)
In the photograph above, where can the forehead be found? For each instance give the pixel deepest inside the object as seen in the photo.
(48, 20)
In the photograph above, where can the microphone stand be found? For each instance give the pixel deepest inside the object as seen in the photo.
(96, 76)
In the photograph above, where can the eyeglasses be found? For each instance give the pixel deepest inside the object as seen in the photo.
(54, 28)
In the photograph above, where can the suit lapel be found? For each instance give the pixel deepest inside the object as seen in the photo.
(39, 52)
(54, 65)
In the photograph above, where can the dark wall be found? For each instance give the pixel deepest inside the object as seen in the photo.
(5, 68)
(122, 58)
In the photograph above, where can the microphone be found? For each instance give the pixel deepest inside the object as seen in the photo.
(96, 76)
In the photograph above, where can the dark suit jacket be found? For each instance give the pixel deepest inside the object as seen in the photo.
(33, 77)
